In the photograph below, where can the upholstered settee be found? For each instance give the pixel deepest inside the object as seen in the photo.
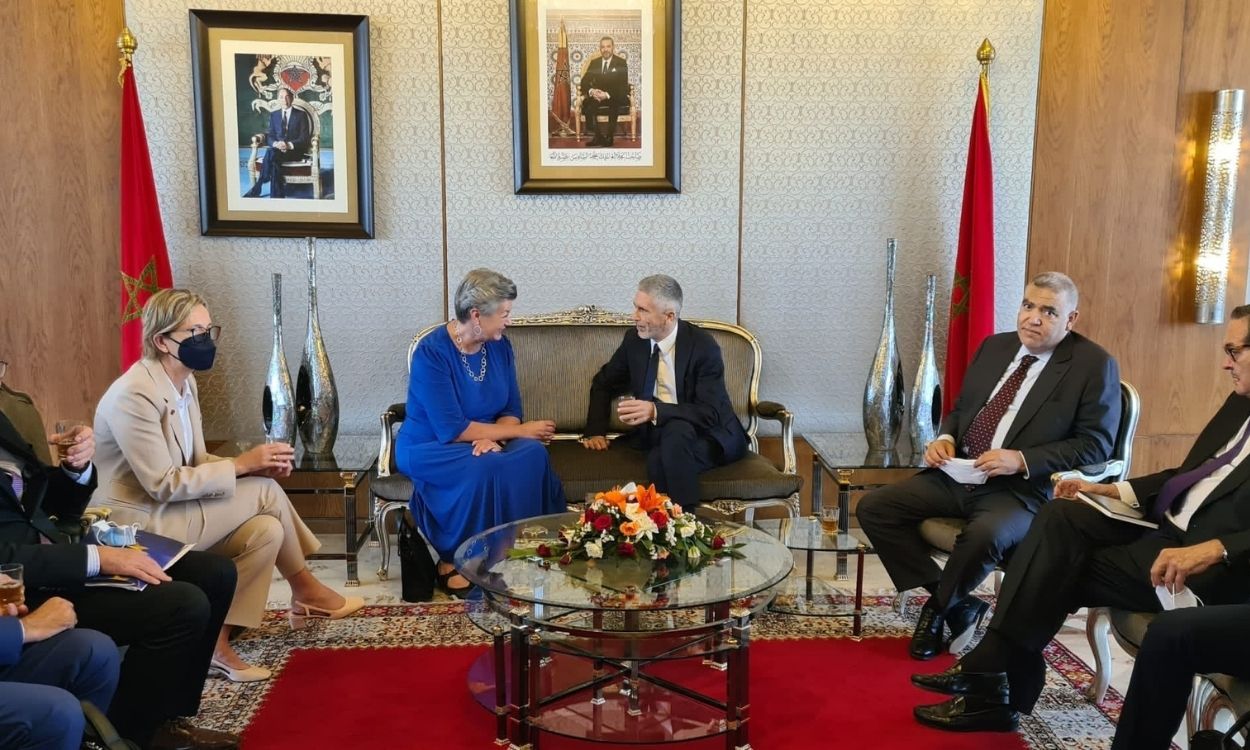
(556, 357)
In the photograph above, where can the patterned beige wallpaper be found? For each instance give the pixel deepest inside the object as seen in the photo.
(856, 125)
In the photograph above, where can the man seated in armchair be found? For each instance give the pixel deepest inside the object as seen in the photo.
(680, 411)
(604, 89)
(287, 137)
(1035, 400)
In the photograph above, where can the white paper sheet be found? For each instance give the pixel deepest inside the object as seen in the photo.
(964, 471)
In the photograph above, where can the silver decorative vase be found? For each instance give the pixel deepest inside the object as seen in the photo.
(926, 391)
(883, 393)
(278, 400)
(316, 399)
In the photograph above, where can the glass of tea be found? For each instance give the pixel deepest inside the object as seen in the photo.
(829, 519)
(12, 589)
(65, 438)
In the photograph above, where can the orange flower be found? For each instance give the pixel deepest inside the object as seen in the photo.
(629, 528)
(614, 498)
(676, 510)
(649, 499)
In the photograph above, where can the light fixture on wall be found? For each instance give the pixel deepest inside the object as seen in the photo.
(1219, 193)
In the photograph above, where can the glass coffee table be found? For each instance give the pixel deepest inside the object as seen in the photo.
(615, 651)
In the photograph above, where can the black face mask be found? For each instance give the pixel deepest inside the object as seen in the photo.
(198, 355)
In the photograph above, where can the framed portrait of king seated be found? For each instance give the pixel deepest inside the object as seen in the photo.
(596, 96)
(282, 114)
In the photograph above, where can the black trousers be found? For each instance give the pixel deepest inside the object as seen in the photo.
(1072, 557)
(1178, 645)
(676, 456)
(592, 109)
(891, 517)
(170, 630)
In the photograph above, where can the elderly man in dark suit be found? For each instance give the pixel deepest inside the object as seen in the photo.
(605, 89)
(1074, 556)
(288, 136)
(680, 410)
(170, 626)
(1036, 400)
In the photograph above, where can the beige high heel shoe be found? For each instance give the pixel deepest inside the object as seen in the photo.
(301, 613)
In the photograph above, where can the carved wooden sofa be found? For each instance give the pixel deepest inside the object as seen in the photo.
(556, 357)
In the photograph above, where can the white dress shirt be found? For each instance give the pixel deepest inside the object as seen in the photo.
(666, 374)
(1030, 378)
(1199, 493)
(182, 403)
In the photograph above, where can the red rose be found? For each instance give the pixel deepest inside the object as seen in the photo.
(718, 541)
(659, 518)
(625, 549)
(544, 551)
(603, 523)
(568, 558)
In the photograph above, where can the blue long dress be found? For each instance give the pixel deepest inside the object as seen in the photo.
(458, 494)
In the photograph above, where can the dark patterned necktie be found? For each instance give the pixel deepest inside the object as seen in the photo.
(648, 379)
(980, 434)
(1172, 495)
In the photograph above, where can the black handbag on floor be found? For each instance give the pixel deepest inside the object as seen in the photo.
(417, 569)
(1211, 739)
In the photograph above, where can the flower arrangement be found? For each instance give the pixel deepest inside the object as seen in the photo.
(639, 523)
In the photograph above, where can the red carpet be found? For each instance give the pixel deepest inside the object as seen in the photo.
(810, 693)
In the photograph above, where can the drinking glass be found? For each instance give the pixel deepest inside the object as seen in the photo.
(829, 519)
(64, 441)
(12, 589)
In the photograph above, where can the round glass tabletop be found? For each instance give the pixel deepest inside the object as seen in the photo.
(619, 583)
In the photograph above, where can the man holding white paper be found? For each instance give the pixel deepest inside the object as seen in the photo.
(1034, 401)
(1074, 556)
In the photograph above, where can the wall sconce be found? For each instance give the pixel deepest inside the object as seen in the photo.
(1219, 193)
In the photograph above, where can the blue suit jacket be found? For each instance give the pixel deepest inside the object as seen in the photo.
(297, 131)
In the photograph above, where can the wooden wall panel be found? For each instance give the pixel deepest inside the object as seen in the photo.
(1123, 106)
(59, 287)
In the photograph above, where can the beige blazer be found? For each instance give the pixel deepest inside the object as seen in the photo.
(139, 456)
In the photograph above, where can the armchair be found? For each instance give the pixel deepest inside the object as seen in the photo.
(306, 171)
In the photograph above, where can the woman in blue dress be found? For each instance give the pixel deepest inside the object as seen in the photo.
(473, 462)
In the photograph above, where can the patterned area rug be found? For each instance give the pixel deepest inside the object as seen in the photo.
(1062, 719)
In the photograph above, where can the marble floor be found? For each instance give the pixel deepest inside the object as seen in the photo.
(375, 591)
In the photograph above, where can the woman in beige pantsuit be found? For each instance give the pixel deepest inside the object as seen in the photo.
(154, 471)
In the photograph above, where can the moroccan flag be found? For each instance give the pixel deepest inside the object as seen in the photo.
(561, 98)
(144, 261)
(972, 293)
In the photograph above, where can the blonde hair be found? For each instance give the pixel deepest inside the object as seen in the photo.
(164, 312)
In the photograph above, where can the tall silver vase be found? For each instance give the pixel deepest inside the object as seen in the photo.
(278, 400)
(926, 391)
(883, 393)
(316, 399)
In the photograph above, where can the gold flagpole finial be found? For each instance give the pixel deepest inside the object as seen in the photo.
(127, 44)
(985, 55)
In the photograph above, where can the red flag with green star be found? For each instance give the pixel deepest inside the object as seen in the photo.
(144, 260)
(972, 293)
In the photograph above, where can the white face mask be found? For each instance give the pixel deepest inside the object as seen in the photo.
(1176, 598)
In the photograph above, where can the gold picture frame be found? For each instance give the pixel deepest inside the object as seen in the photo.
(596, 96)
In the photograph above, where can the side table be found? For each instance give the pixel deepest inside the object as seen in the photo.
(342, 473)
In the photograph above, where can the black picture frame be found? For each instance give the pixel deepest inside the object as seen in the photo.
(533, 113)
(221, 44)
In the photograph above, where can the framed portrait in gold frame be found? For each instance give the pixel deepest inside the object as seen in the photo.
(282, 113)
(596, 96)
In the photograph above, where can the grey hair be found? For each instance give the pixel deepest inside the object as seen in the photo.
(484, 290)
(1059, 283)
(664, 289)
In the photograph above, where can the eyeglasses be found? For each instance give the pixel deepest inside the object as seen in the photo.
(1233, 351)
(198, 334)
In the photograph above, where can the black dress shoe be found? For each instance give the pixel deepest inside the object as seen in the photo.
(928, 639)
(969, 714)
(964, 619)
(955, 681)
